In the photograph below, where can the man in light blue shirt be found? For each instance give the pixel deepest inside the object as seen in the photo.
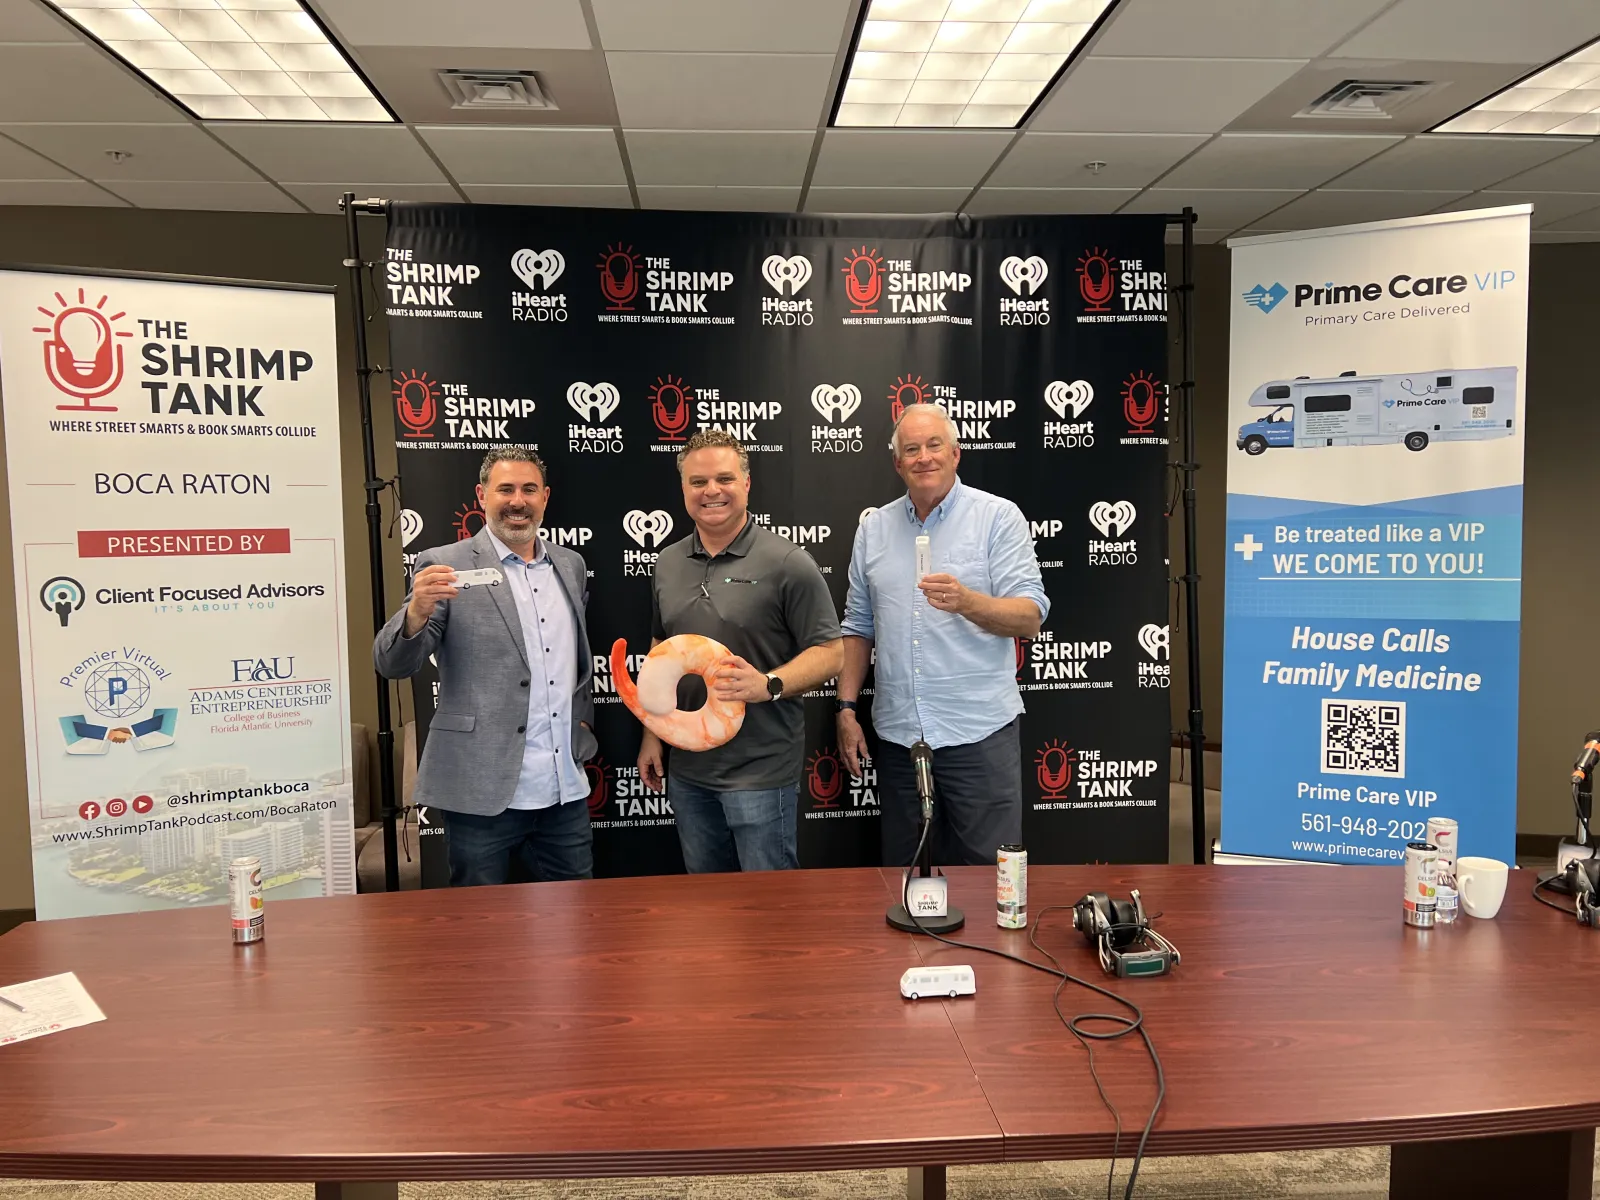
(946, 666)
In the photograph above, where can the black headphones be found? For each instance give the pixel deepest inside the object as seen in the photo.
(1122, 934)
(1583, 881)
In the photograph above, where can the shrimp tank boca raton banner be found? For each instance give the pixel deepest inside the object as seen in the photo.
(1376, 416)
(606, 339)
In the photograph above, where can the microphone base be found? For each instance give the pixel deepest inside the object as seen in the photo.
(953, 920)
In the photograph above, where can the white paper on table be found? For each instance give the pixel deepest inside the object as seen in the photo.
(54, 1003)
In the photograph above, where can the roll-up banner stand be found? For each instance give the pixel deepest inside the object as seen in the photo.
(1376, 410)
(606, 339)
(177, 539)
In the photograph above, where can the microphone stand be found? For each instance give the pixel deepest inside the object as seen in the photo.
(898, 916)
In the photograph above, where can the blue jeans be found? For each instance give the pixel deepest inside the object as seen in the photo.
(735, 831)
(545, 843)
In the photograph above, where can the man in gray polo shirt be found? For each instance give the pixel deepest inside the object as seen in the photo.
(762, 597)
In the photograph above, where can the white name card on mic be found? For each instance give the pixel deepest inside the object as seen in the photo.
(927, 897)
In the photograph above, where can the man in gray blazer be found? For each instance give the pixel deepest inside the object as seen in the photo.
(514, 722)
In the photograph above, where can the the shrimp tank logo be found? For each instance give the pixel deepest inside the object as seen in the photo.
(82, 356)
(468, 520)
(1053, 766)
(599, 777)
(825, 779)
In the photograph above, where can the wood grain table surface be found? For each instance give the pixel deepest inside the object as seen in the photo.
(681, 1025)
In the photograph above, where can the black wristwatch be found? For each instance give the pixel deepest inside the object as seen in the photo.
(840, 706)
(774, 687)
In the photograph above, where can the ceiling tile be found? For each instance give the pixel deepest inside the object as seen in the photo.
(218, 197)
(1233, 28)
(1273, 160)
(1575, 172)
(1445, 161)
(1461, 85)
(906, 157)
(408, 78)
(53, 192)
(1486, 31)
(503, 154)
(1057, 159)
(30, 21)
(335, 153)
(1327, 207)
(815, 26)
(716, 157)
(324, 197)
(1587, 221)
(1202, 237)
(1159, 95)
(720, 91)
(1215, 207)
(32, 87)
(1548, 207)
(884, 200)
(1001, 201)
(165, 152)
(534, 24)
(569, 197)
(18, 162)
(1543, 236)
(721, 199)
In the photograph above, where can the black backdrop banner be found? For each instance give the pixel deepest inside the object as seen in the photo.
(605, 339)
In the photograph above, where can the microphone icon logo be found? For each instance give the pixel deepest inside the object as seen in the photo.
(863, 282)
(416, 403)
(907, 390)
(469, 519)
(1097, 279)
(669, 408)
(599, 786)
(1053, 769)
(825, 779)
(81, 354)
(1022, 656)
(619, 277)
(1141, 396)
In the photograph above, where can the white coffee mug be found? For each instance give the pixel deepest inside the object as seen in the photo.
(1482, 884)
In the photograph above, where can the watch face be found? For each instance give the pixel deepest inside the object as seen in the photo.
(774, 686)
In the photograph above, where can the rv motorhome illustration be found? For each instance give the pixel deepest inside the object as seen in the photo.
(1416, 408)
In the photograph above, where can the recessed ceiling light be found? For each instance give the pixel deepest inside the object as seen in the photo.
(1562, 99)
(232, 60)
(969, 63)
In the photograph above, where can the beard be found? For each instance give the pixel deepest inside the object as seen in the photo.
(513, 537)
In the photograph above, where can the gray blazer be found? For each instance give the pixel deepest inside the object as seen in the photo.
(474, 752)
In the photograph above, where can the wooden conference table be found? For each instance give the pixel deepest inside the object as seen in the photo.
(716, 1024)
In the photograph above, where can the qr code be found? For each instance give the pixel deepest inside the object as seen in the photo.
(1364, 737)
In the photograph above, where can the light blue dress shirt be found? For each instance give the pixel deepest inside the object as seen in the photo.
(938, 676)
(550, 775)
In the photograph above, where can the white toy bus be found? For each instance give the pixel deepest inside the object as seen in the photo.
(938, 981)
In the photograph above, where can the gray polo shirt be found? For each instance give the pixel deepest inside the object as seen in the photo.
(765, 600)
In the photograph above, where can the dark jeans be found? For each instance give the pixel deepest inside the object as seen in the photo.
(977, 800)
(546, 843)
(735, 831)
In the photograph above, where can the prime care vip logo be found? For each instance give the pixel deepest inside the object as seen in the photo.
(1113, 519)
(1117, 289)
(595, 403)
(650, 531)
(428, 289)
(836, 404)
(671, 296)
(786, 276)
(538, 270)
(1025, 277)
(470, 422)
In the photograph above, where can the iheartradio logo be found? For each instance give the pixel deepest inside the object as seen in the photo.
(538, 268)
(836, 405)
(1156, 641)
(82, 356)
(1061, 396)
(410, 526)
(1112, 520)
(780, 272)
(593, 402)
(648, 529)
(1024, 276)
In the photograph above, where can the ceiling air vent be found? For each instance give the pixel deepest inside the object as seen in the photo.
(1366, 99)
(495, 90)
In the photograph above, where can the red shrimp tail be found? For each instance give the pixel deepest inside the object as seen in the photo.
(627, 692)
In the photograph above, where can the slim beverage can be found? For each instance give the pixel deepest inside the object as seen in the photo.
(244, 893)
(1011, 887)
(1421, 884)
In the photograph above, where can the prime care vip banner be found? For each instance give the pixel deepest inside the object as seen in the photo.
(1376, 415)
(173, 455)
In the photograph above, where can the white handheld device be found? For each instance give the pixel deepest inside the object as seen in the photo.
(489, 576)
(924, 556)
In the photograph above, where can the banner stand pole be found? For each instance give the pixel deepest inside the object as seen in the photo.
(389, 811)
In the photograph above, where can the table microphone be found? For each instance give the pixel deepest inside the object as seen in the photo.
(948, 919)
(922, 767)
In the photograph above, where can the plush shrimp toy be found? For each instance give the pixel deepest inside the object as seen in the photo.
(655, 699)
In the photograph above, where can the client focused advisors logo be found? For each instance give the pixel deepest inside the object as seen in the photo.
(619, 277)
(863, 279)
(118, 686)
(786, 273)
(1113, 520)
(1265, 298)
(416, 403)
(82, 356)
(63, 596)
(1156, 641)
(538, 270)
(1025, 277)
(1052, 768)
(594, 403)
